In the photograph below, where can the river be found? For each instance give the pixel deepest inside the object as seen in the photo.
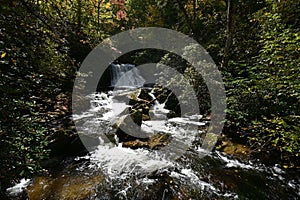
(179, 169)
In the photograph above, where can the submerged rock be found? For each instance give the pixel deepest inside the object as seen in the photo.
(159, 140)
(64, 187)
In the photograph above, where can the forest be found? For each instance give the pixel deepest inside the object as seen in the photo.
(254, 44)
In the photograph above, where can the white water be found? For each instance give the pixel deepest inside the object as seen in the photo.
(129, 167)
(19, 187)
(105, 111)
(126, 75)
(121, 164)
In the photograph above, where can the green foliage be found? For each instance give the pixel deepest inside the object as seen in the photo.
(152, 13)
(190, 74)
(35, 67)
(263, 92)
(262, 79)
(42, 43)
(279, 132)
(23, 141)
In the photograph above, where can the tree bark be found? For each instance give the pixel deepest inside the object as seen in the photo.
(229, 33)
(98, 17)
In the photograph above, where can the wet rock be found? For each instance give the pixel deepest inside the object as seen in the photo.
(159, 140)
(237, 149)
(144, 108)
(145, 117)
(129, 127)
(160, 94)
(136, 116)
(232, 148)
(154, 142)
(138, 97)
(139, 100)
(133, 100)
(124, 96)
(172, 114)
(135, 144)
(65, 142)
(144, 94)
(168, 187)
(166, 96)
(135, 97)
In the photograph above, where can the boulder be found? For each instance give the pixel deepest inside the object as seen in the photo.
(129, 127)
(140, 96)
(144, 94)
(166, 96)
(65, 142)
(144, 107)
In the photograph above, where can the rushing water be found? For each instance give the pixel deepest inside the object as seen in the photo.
(150, 174)
(111, 171)
(214, 176)
(126, 75)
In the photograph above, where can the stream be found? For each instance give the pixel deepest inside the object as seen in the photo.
(179, 170)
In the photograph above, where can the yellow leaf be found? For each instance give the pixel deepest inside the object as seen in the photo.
(107, 5)
(3, 55)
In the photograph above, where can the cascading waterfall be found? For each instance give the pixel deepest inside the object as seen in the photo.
(126, 75)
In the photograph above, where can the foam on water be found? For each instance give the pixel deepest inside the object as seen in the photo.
(123, 162)
(118, 162)
(18, 188)
(186, 121)
(234, 163)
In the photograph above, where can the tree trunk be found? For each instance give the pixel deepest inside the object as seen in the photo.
(98, 17)
(229, 33)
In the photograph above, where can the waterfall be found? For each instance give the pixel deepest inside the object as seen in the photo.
(126, 75)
